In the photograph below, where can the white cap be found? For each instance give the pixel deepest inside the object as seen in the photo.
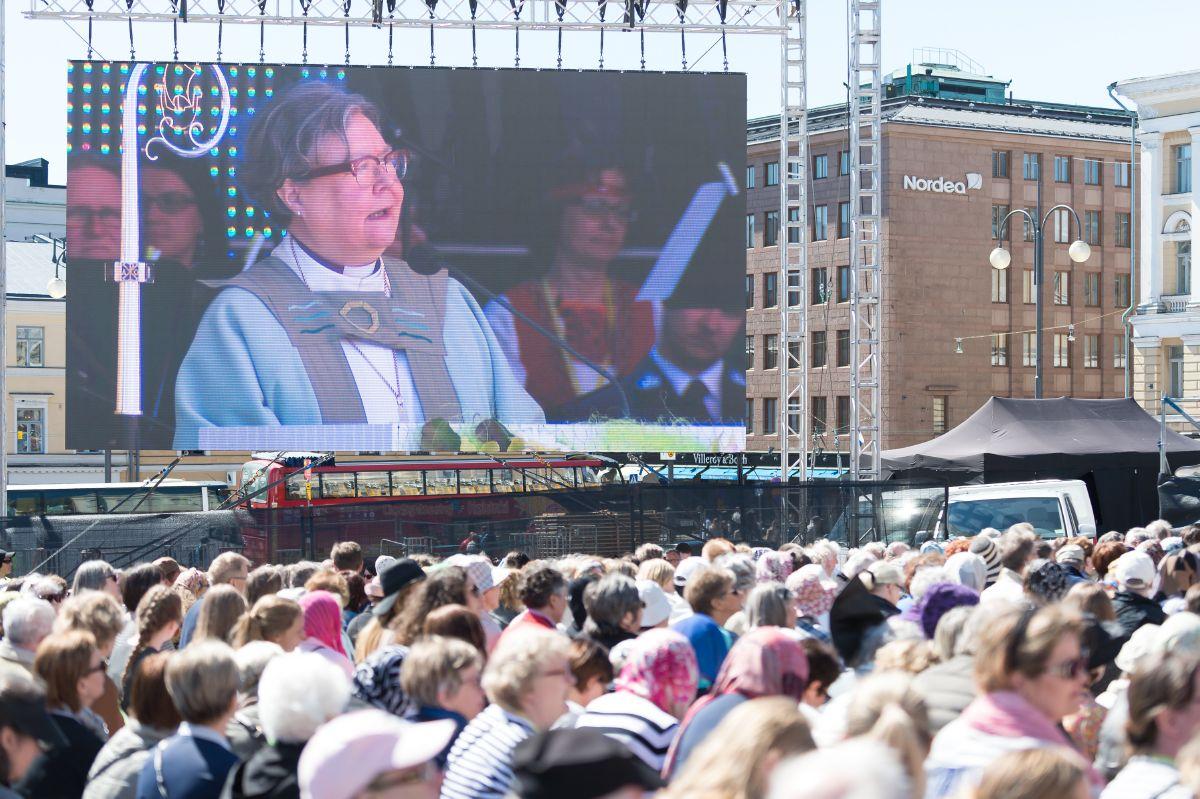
(1134, 570)
(657, 609)
(1144, 642)
(500, 574)
(382, 562)
(1070, 553)
(688, 567)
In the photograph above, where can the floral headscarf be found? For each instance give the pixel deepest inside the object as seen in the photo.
(773, 567)
(193, 580)
(767, 661)
(323, 619)
(813, 596)
(1046, 580)
(661, 667)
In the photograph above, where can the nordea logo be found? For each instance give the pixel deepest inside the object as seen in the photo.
(943, 185)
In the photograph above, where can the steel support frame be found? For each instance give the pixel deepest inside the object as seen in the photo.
(793, 267)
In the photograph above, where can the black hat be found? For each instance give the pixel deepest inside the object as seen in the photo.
(580, 763)
(6, 556)
(392, 579)
(23, 708)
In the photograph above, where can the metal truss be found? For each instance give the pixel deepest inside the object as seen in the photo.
(866, 265)
(730, 16)
(793, 265)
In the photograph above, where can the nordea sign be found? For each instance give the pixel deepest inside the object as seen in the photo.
(943, 185)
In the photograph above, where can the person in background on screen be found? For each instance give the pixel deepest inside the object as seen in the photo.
(94, 208)
(310, 334)
(581, 297)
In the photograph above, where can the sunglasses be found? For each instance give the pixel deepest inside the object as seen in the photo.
(102, 666)
(1071, 669)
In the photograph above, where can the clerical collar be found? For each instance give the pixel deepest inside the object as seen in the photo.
(353, 271)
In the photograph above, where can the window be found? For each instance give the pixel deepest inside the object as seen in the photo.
(1062, 349)
(749, 231)
(844, 162)
(1091, 171)
(375, 484)
(794, 228)
(842, 414)
(1121, 174)
(1119, 352)
(998, 214)
(820, 413)
(1062, 226)
(1091, 289)
(820, 167)
(770, 290)
(771, 351)
(773, 173)
(770, 414)
(1175, 365)
(844, 287)
(999, 285)
(941, 408)
(999, 349)
(793, 355)
(793, 419)
(749, 291)
(340, 485)
(820, 223)
(1062, 288)
(1183, 168)
(412, 483)
(1091, 351)
(1028, 290)
(820, 286)
(31, 430)
(771, 229)
(749, 415)
(1000, 163)
(1183, 267)
(750, 176)
(1062, 169)
(843, 220)
(793, 289)
(749, 352)
(818, 349)
(843, 348)
(31, 346)
(1122, 229)
(1030, 166)
(1028, 350)
(1027, 225)
(1121, 291)
(1091, 227)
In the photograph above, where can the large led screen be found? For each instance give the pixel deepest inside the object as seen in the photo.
(396, 259)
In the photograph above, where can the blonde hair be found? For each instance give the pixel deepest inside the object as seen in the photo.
(658, 570)
(1048, 773)
(271, 617)
(92, 612)
(222, 606)
(1021, 641)
(516, 664)
(727, 763)
(331, 581)
(909, 655)
(380, 630)
(716, 547)
(158, 607)
(227, 566)
(887, 708)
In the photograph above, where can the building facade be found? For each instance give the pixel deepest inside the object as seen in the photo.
(1166, 326)
(952, 168)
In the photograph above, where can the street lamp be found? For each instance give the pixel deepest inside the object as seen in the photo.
(1000, 258)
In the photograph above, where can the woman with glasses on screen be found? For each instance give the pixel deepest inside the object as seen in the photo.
(327, 329)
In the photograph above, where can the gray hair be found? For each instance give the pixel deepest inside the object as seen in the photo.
(950, 630)
(283, 143)
(926, 578)
(742, 566)
(91, 576)
(251, 659)
(202, 680)
(767, 605)
(858, 563)
(298, 573)
(609, 599)
(27, 621)
(859, 767)
(299, 692)
(516, 663)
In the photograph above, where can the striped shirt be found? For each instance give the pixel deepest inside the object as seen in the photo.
(636, 722)
(480, 763)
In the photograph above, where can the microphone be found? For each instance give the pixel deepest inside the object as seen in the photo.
(425, 260)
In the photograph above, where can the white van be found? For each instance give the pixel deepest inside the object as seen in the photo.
(1055, 508)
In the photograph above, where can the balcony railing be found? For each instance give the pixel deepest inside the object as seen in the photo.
(1173, 303)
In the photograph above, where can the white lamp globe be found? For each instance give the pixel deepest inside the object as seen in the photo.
(1079, 251)
(56, 288)
(1000, 258)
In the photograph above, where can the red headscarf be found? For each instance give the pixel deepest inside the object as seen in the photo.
(323, 619)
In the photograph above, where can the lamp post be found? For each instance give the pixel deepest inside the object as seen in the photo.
(1000, 258)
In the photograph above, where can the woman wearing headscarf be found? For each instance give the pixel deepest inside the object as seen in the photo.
(323, 629)
(814, 597)
(377, 680)
(967, 568)
(767, 661)
(1045, 582)
(773, 567)
(652, 692)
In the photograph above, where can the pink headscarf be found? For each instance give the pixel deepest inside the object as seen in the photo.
(813, 596)
(661, 667)
(773, 567)
(323, 619)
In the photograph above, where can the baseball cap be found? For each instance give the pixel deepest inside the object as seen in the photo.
(1134, 570)
(581, 763)
(688, 567)
(392, 579)
(347, 753)
(500, 574)
(1070, 553)
(23, 708)
(479, 567)
(382, 562)
(656, 609)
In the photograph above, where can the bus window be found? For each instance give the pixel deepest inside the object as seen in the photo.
(506, 481)
(295, 491)
(586, 476)
(538, 480)
(66, 501)
(475, 481)
(337, 485)
(24, 503)
(254, 480)
(175, 500)
(119, 500)
(564, 478)
(441, 481)
(407, 484)
(372, 484)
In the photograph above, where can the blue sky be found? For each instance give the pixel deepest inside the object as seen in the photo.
(1054, 50)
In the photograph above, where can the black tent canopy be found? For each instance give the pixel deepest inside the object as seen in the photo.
(1111, 444)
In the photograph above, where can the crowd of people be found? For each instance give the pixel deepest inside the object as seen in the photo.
(1000, 666)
